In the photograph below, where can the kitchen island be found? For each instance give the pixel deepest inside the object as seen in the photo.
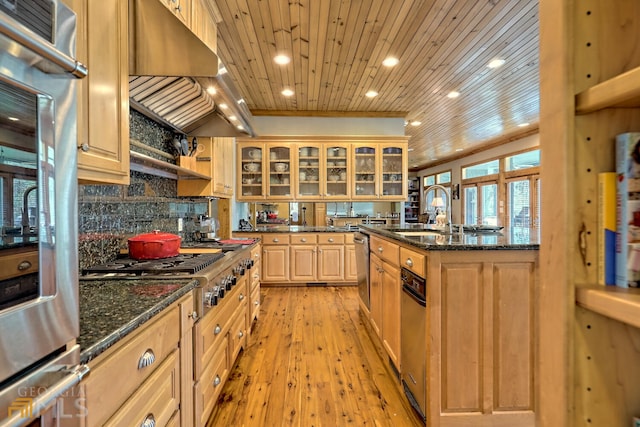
(474, 338)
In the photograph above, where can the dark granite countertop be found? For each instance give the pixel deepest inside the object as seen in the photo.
(517, 238)
(297, 229)
(112, 309)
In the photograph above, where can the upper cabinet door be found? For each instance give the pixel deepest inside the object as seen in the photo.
(336, 171)
(365, 161)
(279, 163)
(103, 97)
(309, 171)
(393, 172)
(250, 176)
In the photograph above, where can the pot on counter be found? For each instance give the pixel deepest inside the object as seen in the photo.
(154, 245)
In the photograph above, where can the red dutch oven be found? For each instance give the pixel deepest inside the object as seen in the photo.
(154, 245)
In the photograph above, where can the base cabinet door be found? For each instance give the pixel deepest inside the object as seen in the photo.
(375, 293)
(330, 262)
(275, 263)
(391, 312)
(303, 263)
(350, 267)
(485, 343)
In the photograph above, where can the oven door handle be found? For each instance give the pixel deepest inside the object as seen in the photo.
(47, 397)
(41, 47)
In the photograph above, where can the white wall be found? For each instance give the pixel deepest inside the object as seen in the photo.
(456, 166)
(269, 125)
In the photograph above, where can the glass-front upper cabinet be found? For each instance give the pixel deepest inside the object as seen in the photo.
(279, 176)
(365, 185)
(394, 172)
(308, 171)
(336, 171)
(250, 180)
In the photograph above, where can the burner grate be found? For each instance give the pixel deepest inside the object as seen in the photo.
(182, 264)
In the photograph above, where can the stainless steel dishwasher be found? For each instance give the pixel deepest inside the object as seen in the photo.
(362, 265)
(413, 339)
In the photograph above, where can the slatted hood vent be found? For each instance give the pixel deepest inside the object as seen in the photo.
(170, 69)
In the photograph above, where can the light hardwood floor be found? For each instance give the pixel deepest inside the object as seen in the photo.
(310, 362)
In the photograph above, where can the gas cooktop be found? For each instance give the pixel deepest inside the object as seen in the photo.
(182, 264)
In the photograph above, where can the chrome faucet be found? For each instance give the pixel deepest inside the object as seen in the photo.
(447, 202)
(25, 210)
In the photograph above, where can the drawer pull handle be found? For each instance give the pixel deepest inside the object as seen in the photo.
(194, 315)
(330, 239)
(257, 302)
(217, 330)
(216, 381)
(256, 276)
(275, 240)
(149, 421)
(303, 240)
(409, 262)
(380, 249)
(240, 297)
(240, 334)
(24, 265)
(146, 359)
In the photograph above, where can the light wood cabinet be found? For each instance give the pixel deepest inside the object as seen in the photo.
(147, 366)
(103, 96)
(350, 267)
(216, 160)
(481, 312)
(385, 296)
(330, 257)
(371, 168)
(181, 9)
(304, 259)
(203, 23)
(380, 171)
(275, 258)
(589, 334)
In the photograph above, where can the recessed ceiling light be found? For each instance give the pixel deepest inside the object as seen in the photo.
(211, 90)
(496, 63)
(458, 149)
(371, 94)
(287, 92)
(415, 123)
(233, 118)
(453, 94)
(281, 59)
(414, 166)
(222, 70)
(13, 119)
(240, 127)
(523, 125)
(390, 61)
(410, 149)
(223, 106)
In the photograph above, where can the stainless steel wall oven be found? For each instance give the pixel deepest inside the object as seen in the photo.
(39, 319)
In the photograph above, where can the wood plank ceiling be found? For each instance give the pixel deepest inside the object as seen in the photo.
(337, 48)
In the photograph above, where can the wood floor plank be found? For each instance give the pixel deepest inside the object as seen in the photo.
(310, 362)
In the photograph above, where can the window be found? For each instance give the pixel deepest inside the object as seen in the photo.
(504, 191)
(436, 199)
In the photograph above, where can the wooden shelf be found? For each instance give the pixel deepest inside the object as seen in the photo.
(621, 304)
(620, 91)
(145, 164)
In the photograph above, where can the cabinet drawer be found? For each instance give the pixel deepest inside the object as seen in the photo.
(303, 238)
(330, 238)
(238, 331)
(18, 264)
(413, 260)
(129, 366)
(214, 326)
(275, 239)
(348, 238)
(255, 303)
(385, 249)
(255, 253)
(208, 388)
(157, 399)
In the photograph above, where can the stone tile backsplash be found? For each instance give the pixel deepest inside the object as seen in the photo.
(109, 214)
